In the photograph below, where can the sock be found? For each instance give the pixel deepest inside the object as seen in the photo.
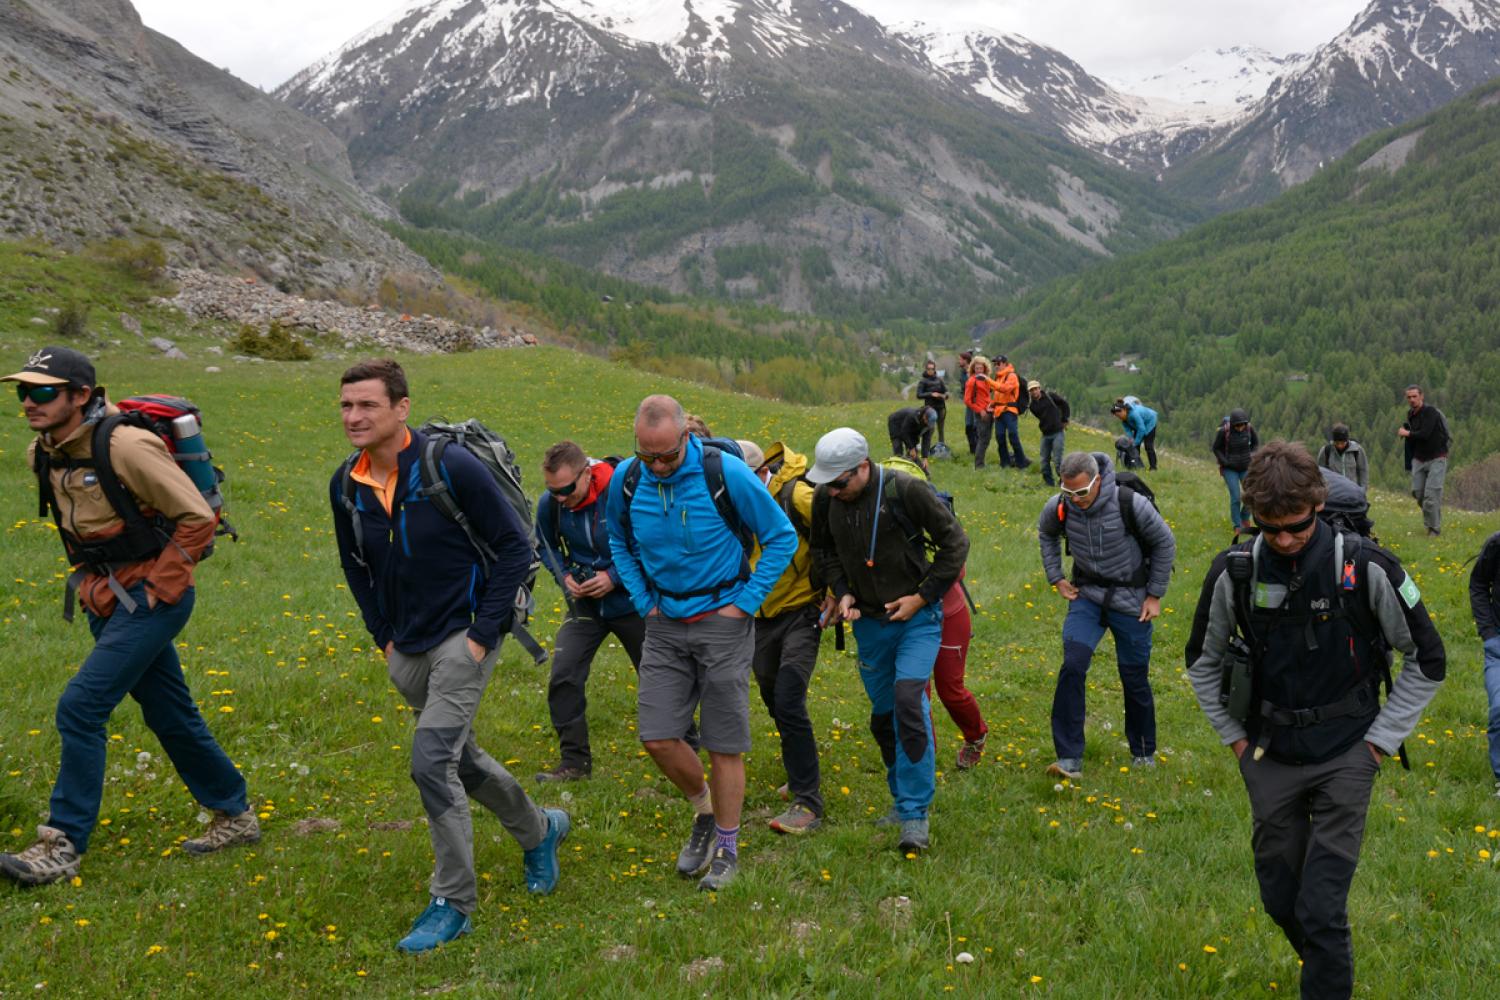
(729, 840)
(702, 803)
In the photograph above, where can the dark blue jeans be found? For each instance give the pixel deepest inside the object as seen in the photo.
(133, 654)
(1007, 431)
(1082, 632)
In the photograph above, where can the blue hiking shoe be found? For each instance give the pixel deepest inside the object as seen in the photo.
(437, 925)
(541, 860)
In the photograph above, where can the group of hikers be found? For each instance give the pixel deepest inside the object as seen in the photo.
(714, 560)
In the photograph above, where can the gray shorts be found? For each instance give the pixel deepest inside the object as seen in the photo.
(702, 665)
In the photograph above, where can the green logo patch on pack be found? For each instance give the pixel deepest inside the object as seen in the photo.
(1409, 592)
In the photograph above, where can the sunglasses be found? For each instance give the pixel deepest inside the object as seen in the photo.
(1295, 528)
(1079, 494)
(843, 481)
(38, 394)
(568, 490)
(667, 457)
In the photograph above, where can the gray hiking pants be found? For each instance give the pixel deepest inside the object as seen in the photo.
(444, 686)
(1427, 489)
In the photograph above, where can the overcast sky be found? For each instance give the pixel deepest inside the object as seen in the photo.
(267, 41)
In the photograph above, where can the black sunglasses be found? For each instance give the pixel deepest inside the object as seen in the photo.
(39, 394)
(663, 456)
(1295, 528)
(842, 481)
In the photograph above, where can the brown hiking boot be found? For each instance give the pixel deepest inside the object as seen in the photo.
(225, 830)
(51, 859)
(797, 819)
(970, 753)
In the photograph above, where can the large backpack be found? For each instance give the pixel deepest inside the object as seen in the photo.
(179, 425)
(498, 459)
(718, 491)
(1238, 690)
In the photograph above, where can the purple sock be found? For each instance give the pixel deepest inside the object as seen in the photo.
(729, 840)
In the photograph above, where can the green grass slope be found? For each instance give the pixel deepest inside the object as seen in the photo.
(1129, 884)
(1321, 306)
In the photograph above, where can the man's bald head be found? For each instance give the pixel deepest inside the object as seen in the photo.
(655, 411)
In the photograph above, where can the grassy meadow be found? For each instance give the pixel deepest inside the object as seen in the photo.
(1128, 884)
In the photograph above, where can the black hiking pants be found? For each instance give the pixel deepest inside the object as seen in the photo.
(1309, 822)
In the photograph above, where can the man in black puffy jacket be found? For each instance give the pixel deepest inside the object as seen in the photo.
(932, 392)
(1233, 446)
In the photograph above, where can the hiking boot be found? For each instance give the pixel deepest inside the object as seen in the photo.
(540, 863)
(438, 924)
(562, 772)
(693, 857)
(913, 836)
(892, 818)
(51, 859)
(225, 830)
(970, 753)
(720, 872)
(1066, 767)
(1146, 761)
(797, 819)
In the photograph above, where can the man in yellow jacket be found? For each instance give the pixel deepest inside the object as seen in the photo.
(786, 645)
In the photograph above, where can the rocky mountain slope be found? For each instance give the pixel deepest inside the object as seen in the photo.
(795, 151)
(1398, 60)
(113, 130)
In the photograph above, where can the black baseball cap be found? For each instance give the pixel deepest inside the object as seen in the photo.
(56, 366)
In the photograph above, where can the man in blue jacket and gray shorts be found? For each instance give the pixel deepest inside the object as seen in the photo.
(683, 517)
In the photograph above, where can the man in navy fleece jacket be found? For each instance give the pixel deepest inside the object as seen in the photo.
(430, 604)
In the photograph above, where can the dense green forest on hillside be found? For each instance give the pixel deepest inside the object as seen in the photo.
(1320, 306)
(746, 348)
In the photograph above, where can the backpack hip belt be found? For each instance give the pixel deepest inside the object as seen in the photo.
(1357, 702)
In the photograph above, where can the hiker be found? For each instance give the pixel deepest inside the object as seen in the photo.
(1140, 424)
(1233, 445)
(977, 399)
(933, 391)
(786, 644)
(1484, 601)
(134, 577)
(439, 609)
(1300, 621)
(965, 360)
(1006, 398)
(1052, 414)
(1345, 456)
(1426, 439)
(909, 428)
(686, 565)
(1122, 562)
(570, 519)
(880, 579)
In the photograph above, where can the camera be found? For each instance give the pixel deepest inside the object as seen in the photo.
(581, 574)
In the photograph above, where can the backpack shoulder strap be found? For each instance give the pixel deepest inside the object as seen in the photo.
(787, 498)
(628, 485)
(41, 464)
(1126, 498)
(435, 488)
(718, 491)
(114, 491)
(349, 498)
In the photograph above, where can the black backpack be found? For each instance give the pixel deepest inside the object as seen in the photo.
(498, 459)
(718, 491)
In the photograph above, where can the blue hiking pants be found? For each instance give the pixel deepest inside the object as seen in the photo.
(133, 654)
(1082, 631)
(895, 664)
(1232, 481)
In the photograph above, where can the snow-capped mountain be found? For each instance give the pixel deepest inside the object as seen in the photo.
(1398, 59)
(1221, 79)
(1050, 89)
(783, 124)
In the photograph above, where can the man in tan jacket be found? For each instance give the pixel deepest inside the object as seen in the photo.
(134, 576)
